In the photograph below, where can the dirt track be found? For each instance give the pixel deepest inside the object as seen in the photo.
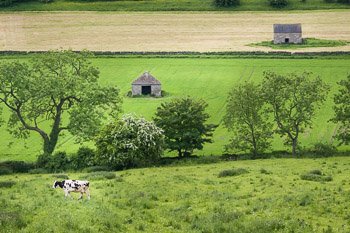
(162, 31)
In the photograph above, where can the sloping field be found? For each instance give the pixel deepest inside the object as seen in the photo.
(210, 79)
(186, 199)
(105, 31)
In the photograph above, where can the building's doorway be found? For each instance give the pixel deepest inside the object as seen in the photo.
(146, 90)
(286, 40)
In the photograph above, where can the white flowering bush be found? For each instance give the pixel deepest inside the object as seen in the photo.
(129, 142)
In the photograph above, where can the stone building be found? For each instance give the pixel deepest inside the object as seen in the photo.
(146, 84)
(287, 34)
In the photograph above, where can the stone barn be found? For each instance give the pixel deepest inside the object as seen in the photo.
(146, 84)
(287, 34)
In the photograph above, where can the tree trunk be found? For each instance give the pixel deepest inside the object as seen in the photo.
(179, 152)
(294, 146)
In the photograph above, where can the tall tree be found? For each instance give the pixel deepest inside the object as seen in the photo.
(294, 99)
(183, 121)
(342, 111)
(55, 92)
(247, 117)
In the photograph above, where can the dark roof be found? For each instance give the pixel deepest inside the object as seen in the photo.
(146, 78)
(287, 28)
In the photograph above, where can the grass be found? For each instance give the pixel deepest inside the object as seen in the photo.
(210, 79)
(166, 5)
(232, 172)
(307, 43)
(186, 199)
(166, 31)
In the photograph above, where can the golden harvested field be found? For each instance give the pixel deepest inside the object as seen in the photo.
(110, 31)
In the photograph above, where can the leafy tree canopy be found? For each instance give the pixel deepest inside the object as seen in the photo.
(293, 99)
(183, 121)
(55, 92)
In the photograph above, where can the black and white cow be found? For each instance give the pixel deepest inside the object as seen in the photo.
(79, 186)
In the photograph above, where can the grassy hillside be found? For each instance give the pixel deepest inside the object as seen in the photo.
(167, 5)
(210, 79)
(271, 197)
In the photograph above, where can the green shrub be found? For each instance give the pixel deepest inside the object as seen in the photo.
(226, 3)
(233, 172)
(5, 171)
(38, 171)
(96, 169)
(264, 171)
(61, 176)
(83, 158)
(53, 163)
(5, 3)
(16, 166)
(278, 3)
(7, 184)
(100, 175)
(316, 175)
(343, 1)
(324, 150)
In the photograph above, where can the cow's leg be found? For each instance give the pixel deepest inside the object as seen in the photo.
(70, 195)
(66, 193)
(88, 193)
(81, 195)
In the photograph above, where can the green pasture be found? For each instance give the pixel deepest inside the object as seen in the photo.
(271, 197)
(165, 5)
(207, 78)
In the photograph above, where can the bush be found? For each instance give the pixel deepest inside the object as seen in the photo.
(61, 176)
(323, 150)
(7, 184)
(16, 166)
(264, 171)
(100, 175)
(83, 158)
(233, 172)
(96, 169)
(343, 1)
(316, 175)
(5, 3)
(226, 3)
(129, 142)
(53, 163)
(5, 171)
(38, 171)
(278, 3)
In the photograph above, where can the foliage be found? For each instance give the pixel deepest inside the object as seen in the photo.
(233, 172)
(129, 142)
(324, 150)
(83, 158)
(293, 99)
(15, 167)
(61, 176)
(226, 3)
(342, 111)
(7, 184)
(307, 43)
(316, 175)
(96, 169)
(54, 163)
(183, 121)
(100, 175)
(5, 3)
(52, 87)
(278, 3)
(247, 118)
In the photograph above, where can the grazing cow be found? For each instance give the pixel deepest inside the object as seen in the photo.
(80, 186)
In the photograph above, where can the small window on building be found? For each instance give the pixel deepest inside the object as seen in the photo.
(286, 40)
(146, 90)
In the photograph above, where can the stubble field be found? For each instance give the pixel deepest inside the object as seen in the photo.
(163, 31)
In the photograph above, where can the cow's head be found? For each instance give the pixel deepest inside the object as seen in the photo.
(57, 184)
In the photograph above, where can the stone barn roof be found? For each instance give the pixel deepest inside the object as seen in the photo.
(146, 79)
(287, 28)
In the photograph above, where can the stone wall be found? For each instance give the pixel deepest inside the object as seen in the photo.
(294, 38)
(156, 90)
(136, 89)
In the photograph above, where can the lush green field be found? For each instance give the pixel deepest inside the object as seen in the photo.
(167, 5)
(207, 78)
(187, 199)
